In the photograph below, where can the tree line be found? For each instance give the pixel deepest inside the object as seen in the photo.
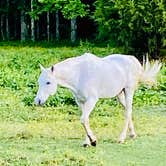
(139, 26)
(45, 20)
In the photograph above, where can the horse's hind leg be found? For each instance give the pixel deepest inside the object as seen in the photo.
(122, 100)
(128, 115)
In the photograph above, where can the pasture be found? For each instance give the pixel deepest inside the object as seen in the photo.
(53, 134)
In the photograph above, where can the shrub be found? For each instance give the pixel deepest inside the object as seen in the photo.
(136, 24)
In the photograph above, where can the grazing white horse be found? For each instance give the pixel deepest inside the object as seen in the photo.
(90, 78)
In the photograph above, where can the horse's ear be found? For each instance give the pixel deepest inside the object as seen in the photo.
(41, 67)
(52, 68)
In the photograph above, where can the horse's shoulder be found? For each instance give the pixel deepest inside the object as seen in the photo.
(89, 56)
(82, 58)
(87, 59)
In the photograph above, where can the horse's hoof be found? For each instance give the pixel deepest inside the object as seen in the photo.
(93, 143)
(133, 136)
(86, 145)
(121, 141)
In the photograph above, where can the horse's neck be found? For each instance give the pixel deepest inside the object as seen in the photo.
(66, 74)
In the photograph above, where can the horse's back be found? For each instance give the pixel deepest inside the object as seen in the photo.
(92, 66)
(122, 59)
(126, 62)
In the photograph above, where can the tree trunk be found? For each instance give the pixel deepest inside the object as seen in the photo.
(48, 26)
(155, 52)
(73, 30)
(37, 30)
(7, 27)
(2, 32)
(32, 24)
(7, 21)
(57, 26)
(23, 26)
(15, 25)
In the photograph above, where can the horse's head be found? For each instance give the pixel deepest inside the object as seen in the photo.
(47, 85)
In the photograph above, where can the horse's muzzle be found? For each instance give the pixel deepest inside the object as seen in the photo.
(38, 101)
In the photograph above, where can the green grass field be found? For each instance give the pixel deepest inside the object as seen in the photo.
(52, 134)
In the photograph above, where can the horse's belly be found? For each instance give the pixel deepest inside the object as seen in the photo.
(111, 90)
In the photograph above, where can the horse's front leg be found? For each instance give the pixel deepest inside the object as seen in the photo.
(87, 108)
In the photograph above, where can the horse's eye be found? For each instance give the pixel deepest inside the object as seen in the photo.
(48, 83)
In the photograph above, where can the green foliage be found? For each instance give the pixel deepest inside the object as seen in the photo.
(69, 8)
(74, 8)
(135, 23)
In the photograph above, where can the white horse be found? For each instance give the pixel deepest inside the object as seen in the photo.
(90, 78)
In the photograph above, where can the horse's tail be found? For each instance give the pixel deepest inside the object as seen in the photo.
(150, 71)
